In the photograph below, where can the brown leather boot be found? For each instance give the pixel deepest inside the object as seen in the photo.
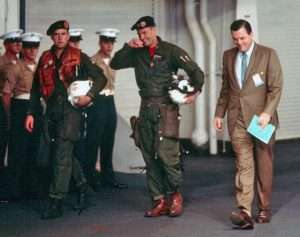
(160, 207)
(176, 207)
(264, 216)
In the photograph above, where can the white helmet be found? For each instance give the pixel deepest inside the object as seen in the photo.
(78, 88)
(180, 88)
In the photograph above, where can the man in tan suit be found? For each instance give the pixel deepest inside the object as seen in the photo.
(252, 85)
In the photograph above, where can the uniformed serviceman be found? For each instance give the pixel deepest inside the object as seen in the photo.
(80, 145)
(75, 37)
(154, 62)
(57, 69)
(102, 118)
(13, 46)
(16, 93)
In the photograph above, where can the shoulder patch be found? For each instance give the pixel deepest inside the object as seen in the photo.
(185, 58)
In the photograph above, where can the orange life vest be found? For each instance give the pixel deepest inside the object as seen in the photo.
(70, 61)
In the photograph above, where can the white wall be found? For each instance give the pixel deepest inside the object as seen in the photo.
(9, 17)
(273, 27)
(220, 15)
(278, 25)
(93, 15)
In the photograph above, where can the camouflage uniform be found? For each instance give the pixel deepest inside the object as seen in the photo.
(64, 120)
(159, 118)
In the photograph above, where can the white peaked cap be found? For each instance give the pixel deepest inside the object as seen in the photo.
(108, 32)
(31, 37)
(12, 34)
(75, 32)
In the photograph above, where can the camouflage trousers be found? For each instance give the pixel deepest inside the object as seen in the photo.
(66, 131)
(161, 155)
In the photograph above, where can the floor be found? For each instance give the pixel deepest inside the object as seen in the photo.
(208, 195)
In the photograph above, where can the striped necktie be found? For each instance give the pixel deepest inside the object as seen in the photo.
(243, 68)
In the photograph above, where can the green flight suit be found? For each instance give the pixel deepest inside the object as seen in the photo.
(63, 124)
(159, 117)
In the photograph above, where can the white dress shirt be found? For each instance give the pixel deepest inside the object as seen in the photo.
(238, 63)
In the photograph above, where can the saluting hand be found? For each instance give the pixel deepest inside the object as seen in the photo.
(136, 43)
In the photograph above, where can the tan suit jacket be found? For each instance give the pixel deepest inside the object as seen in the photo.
(251, 99)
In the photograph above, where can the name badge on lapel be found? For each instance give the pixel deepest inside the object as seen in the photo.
(257, 80)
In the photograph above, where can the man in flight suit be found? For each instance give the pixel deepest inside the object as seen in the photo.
(155, 62)
(57, 69)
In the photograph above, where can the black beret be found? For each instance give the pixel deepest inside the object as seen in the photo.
(143, 22)
(61, 24)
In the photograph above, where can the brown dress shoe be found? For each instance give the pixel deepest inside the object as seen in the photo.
(159, 208)
(264, 216)
(176, 207)
(242, 220)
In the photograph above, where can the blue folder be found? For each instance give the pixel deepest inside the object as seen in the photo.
(263, 134)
